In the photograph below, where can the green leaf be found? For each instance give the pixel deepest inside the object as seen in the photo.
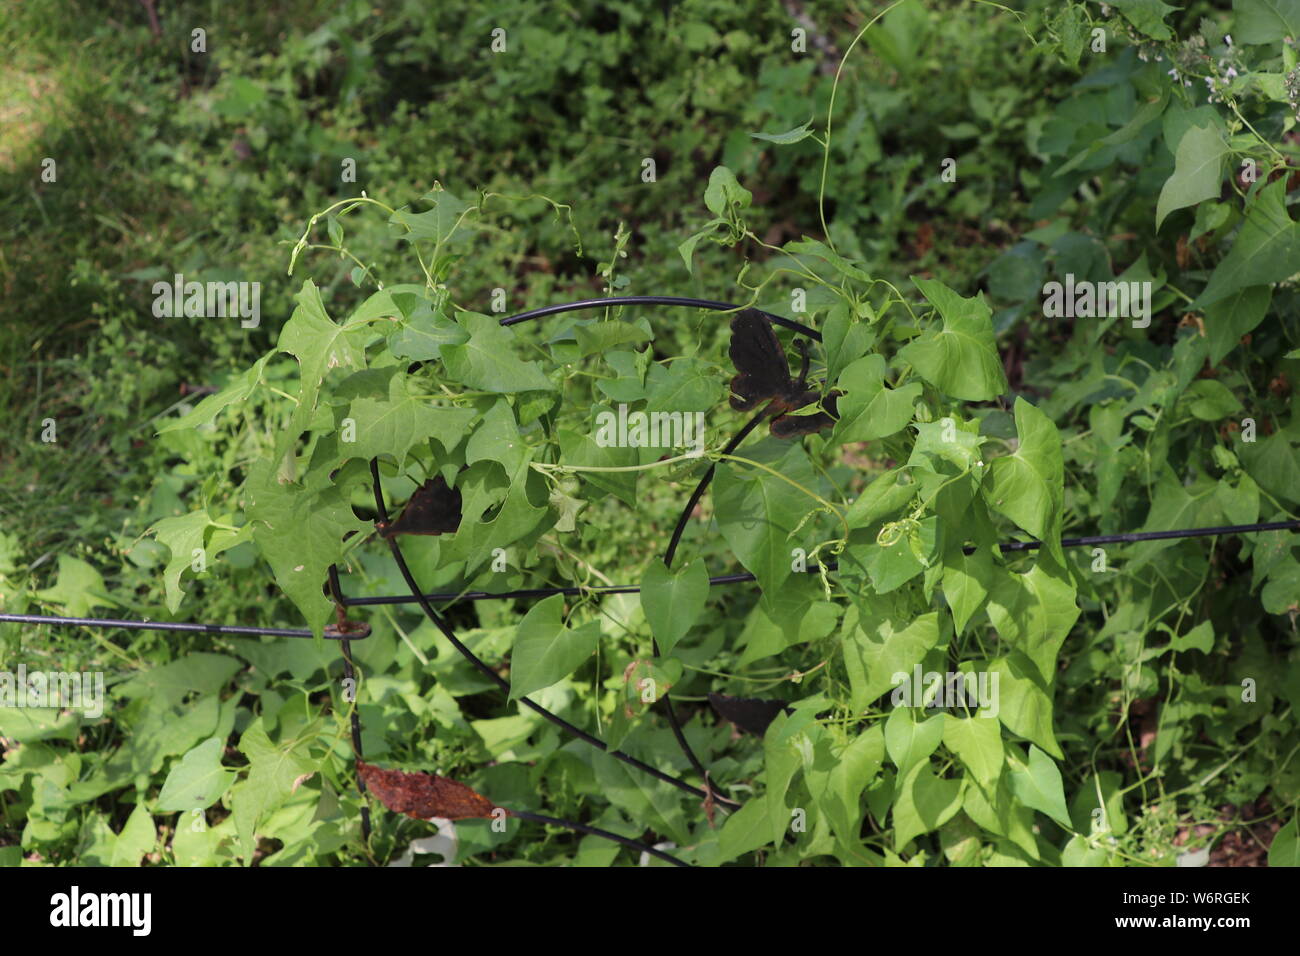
(724, 195)
(757, 512)
(78, 588)
(1200, 638)
(966, 582)
(240, 387)
(546, 651)
(185, 534)
(439, 223)
(855, 766)
(319, 345)
(1198, 171)
(424, 335)
(393, 425)
(745, 830)
(868, 410)
(873, 655)
(977, 742)
(1274, 465)
(1265, 21)
(273, 771)
(962, 359)
(908, 742)
(923, 804)
(138, 837)
(1028, 485)
(197, 780)
(300, 535)
(1147, 16)
(167, 685)
(1210, 400)
(1023, 707)
(1034, 612)
(1229, 318)
(1265, 251)
(485, 361)
(1038, 785)
(1285, 849)
(673, 600)
(795, 135)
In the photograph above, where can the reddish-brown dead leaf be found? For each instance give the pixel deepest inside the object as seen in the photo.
(424, 795)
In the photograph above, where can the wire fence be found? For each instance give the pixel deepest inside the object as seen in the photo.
(345, 632)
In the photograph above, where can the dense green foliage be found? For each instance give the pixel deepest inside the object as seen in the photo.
(1145, 693)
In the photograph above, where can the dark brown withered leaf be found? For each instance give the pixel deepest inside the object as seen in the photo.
(748, 713)
(424, 795)
(764, 376)
(434, 508)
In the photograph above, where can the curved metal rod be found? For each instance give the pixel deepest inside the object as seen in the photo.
(680, 300)
(496, 678)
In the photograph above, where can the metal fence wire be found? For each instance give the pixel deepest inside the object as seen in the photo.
(345, 632)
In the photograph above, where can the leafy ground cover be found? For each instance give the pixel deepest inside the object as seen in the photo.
(911, 190)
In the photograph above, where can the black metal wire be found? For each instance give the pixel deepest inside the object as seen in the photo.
(597, 831)
(162, 626)
(656, 300)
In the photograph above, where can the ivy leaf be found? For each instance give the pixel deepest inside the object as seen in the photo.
(439, 223)
(197, 780)
(672, 600)
(486, 360)
(962, 359)
(483, 486)
(546, 651)
(424, 335)
(869, 410)
(1028, 486)
(1198, 171)
(182, 536)
(78, 587)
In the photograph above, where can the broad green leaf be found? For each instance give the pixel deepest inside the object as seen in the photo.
(1028, 485)
(757, 512)
(138, 837)
(672, 600)
(78, 588)
(872, 659)
(167, 685)
(1198, 171)
(1274, 465)
(923, 804)
(545, 651)
(424, 335)
(1023, 707)
(1265, 21)
(197, 780)
(962, 359)
(1038, 785)
(1034, 612)
(907, 741)
(868, 410)
(439, 224)
(977, 742)
(1266, 250)
(1231, 317)
(486, 360)
(781, 762)
(518, 519)
(855, 766)
(966, 582)
(745, 830)
(182, 536)
(724, 195)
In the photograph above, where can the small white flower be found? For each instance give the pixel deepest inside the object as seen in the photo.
(1231, 72)
(1228, 39)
